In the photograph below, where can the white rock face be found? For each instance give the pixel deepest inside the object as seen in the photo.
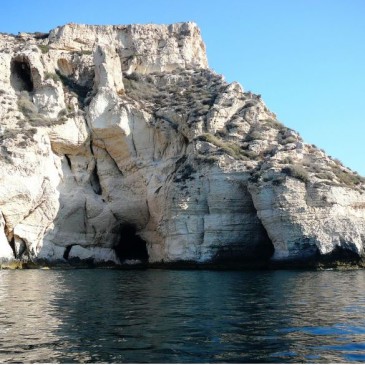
(303, 221)
(144, 49)
(119, 145)
(108, 69)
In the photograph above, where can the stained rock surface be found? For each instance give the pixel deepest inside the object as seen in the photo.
(119, 145)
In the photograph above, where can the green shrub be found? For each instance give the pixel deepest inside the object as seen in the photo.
(287, 160)
(52, 76)
(230, 148)
(252, 155)
(337, 162)
(31, 114)
(26, 106)
(85, 52)
(44, 48)
(137, 89)
(347, 178)
(9, 133)
(274, 124)
(296, 171)
(208, 137)
(289, 139)
(254, 135)
(62, 113)
(21, 123)
(78, 40)
(325, 175)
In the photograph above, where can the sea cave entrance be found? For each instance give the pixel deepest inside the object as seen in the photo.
(130, 245)
(21, 76)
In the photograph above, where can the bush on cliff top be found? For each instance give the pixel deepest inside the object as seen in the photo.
(347, 178)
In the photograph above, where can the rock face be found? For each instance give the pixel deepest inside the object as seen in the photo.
(120, 145)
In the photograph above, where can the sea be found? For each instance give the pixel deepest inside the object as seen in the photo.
(182, 316)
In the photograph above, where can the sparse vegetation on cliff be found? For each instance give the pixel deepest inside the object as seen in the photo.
(32, 115)
(51, 75)
(44, 48)
(297, 171)
(232, 149)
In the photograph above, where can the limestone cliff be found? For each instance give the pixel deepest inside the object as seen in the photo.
(120, 145)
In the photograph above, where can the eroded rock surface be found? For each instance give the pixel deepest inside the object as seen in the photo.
(120, 145)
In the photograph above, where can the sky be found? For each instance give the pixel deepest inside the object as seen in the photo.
(305, 57)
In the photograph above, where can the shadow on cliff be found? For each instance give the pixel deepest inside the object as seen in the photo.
(257, 255)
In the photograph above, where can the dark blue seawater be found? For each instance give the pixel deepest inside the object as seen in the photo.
(182, 316)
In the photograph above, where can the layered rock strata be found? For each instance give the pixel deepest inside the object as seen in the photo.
(119, 145)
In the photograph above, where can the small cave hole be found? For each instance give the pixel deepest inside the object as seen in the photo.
(95, 182)
(341, 255)
(21, 76)
(12, 245)
(67, 251)
(68, 160)
(130, 245)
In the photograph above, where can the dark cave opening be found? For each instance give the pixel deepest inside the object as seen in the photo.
(130, 245)
(95, 181)
(12, 245)
(67, 251)
(21, 76)
(252, 251)
(340, 254)
(68, 160)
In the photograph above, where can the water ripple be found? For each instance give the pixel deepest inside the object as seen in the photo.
(181, 316)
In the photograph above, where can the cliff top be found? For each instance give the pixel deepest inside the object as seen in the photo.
(142, 48)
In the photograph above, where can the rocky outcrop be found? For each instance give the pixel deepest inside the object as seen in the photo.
(119, 145)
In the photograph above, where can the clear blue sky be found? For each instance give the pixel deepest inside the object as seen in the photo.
(305, 57)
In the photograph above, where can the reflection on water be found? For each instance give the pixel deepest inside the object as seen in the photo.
(182, 316)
